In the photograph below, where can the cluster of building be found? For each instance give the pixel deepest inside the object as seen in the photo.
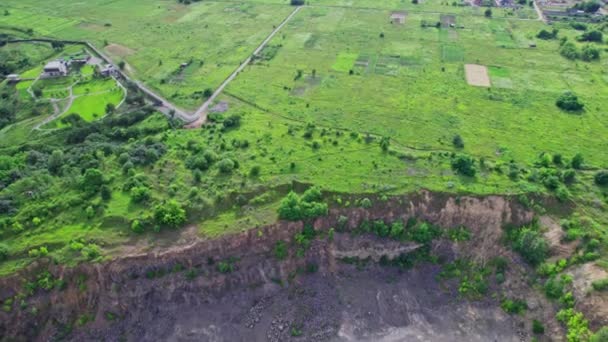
(61, 67)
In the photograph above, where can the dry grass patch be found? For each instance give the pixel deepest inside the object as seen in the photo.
(119, 50)
(477, 75)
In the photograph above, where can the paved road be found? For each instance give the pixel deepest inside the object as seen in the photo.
(201, 113)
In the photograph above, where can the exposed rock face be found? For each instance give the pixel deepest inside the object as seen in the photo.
(128, 298)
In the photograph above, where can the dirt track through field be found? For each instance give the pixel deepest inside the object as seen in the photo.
(201, 113)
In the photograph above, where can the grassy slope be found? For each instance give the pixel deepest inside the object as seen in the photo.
(408, 98)
(145, 28)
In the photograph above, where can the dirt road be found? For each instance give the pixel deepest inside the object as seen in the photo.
(201, 113)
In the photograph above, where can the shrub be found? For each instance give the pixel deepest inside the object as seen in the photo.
(600, 285)
(600, 336)
(91, 251)
(137, 226)
(531, 245)
(397, 230)
(590, 53)
(592, 36)
(294, 208)
(226, 165)
(576, 324)
(601, 178)
(3, 252)
(577, 161)
(255, 171)
(170, 214)
(537, 327)
(457, 141)
(554, 286)
(569, 50)
(140, 194)
(225, 266)
(569, 101)
(424, 233)
(464, 165)
(280, 250)
(546, 35)
(488, 13)
(516, 306)
(365, 203)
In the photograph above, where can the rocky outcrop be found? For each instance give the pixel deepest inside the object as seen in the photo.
(114, 297)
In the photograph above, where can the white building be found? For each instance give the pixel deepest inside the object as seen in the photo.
(55, 69)
(12, 78)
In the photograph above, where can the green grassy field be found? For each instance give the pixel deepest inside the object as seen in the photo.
(155, 37)
(341, 98)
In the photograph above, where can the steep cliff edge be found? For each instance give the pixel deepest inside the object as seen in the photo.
(235, 288)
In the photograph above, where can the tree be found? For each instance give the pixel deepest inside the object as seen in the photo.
(568, 101)
(569, 50)
(170, 214)
(590, 53)
(92, 180)
(591, 36)
(297, 2)
(601, 178)
(208, 92)
(546, 35)
(3, 252)
(531, 245)
(37, 92)
(457, 141)
(577, 161)
(226, 165)
(488, 13)
(55, 161)
(122, 65)
(110, 108)
(464, 165)
(140, 194)
(385, 143)
(255, 171)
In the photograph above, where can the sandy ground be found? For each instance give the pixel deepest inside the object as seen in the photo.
(477, 75)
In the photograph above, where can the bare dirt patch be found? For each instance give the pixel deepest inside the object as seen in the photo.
(477, 75)
(448, 20)
(119, 50)
(92, 27)
(398, 17)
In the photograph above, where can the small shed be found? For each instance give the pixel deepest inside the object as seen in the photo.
(12, 78)
(398, 17)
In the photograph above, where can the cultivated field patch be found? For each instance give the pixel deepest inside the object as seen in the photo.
(119, 50)
(477, 75)
(451, 53)
(345, 61)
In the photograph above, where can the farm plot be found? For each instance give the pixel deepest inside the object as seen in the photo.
(155, 38)
(477, 75)
(411, 86)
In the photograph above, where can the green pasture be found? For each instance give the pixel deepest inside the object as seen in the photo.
(155, 37)
(410, 85)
